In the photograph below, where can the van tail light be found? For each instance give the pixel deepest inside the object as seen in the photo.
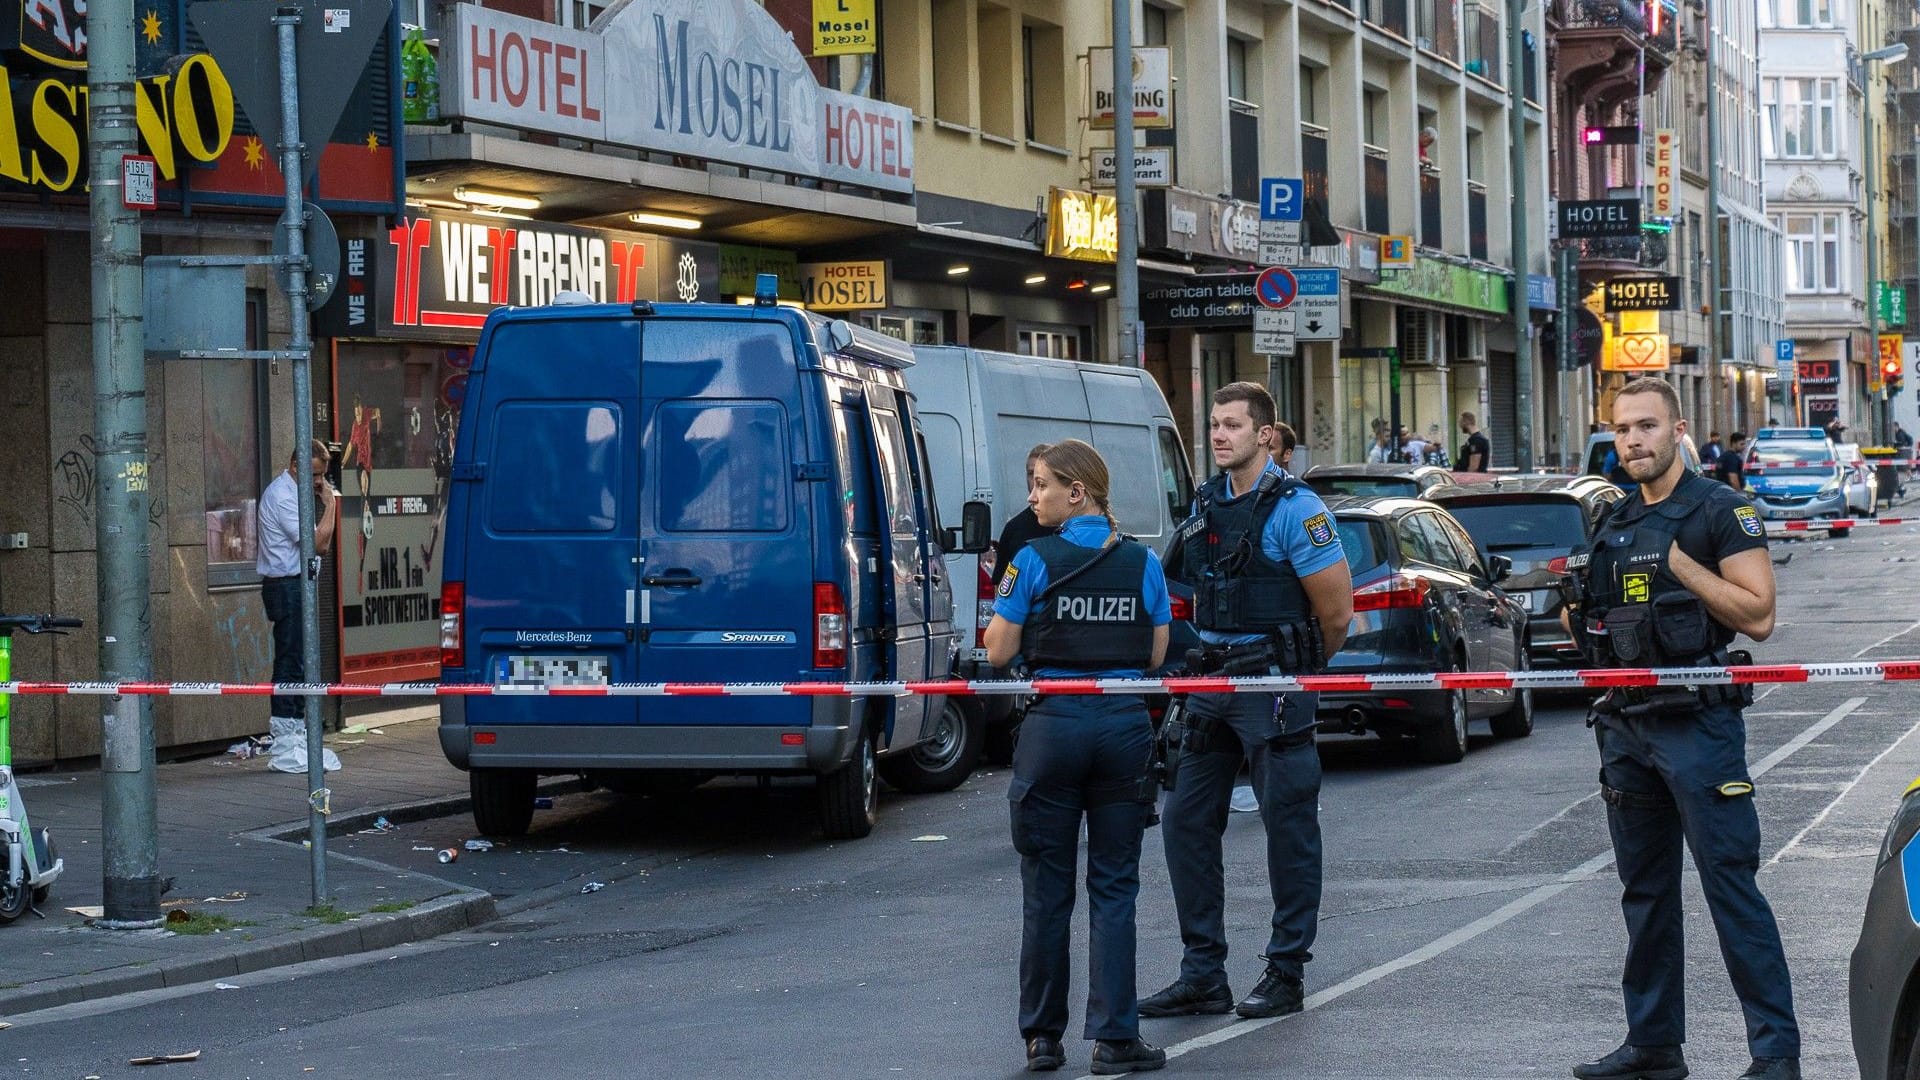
(1397, 590)
(983, 602)
(829, 626)
(1182, 607)
(453, 624)
(1557, 565)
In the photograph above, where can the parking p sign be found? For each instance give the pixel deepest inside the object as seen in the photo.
(1783, 350)
(1282, 200)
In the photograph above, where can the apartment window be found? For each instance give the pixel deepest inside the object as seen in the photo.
(1802, 117)
(1696, 257)
(1153, 25)
(952, 67)
(1237, 68)
(578, 14)
(1813, 253)
(1310, 95)
(1476, 156)
(1243, 125)
(1373, 117)
(235, 458)
(994, 33)
(1043, 78)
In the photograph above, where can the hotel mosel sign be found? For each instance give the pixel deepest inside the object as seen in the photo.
(715, 79)
(1586, 219)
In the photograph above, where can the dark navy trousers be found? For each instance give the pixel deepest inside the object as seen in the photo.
(1684, 776)
(280, 597)
(1080, 757)
(1286, 775)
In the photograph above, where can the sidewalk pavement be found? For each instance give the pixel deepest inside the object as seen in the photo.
(249, 892)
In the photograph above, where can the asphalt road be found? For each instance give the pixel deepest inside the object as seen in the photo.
(1470, 926)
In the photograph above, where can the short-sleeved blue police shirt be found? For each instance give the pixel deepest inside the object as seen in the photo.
(1299, 531)
(1019, 593)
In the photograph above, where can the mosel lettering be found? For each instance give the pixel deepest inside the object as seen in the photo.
(738, 101)
(1097, 608)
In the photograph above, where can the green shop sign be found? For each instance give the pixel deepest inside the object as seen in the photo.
(740, 265)
(1447, 283)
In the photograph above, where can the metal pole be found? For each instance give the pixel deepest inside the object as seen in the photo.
(129, 815)
(1713, 224)
(286, 23)
(1523, 358)
(1873, 235)
(1566, 274)
(1126, 268)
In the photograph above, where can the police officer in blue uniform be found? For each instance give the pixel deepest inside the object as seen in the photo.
(1083, 602)
(1673, 573)
(1272, 594)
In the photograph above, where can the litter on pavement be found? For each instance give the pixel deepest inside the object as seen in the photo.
(479, 845)
(929, 838)
(165, 1059)
(592, 887)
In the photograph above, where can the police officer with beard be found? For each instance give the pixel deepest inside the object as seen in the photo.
(1272, 594)
(1674, 571)
(1086, 602)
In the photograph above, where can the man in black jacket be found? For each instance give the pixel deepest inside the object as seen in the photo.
(1020, 529)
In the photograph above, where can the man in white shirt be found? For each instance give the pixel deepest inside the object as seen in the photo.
(278, 563)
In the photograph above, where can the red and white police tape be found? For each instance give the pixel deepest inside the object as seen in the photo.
(1840, 523)
(1589, 679)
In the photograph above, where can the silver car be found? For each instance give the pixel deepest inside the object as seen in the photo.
(1797, 480)
(1884, 983)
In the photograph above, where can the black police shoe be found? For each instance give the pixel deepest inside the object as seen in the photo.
(1773, 1069)
(1044, 1054)
(1274, 995)
(1111, 1056)
(1185, 999)
(1636, 1063)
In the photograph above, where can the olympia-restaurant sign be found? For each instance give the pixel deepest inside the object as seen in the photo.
(716, 79)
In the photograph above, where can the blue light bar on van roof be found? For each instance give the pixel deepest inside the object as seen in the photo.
(766, 290)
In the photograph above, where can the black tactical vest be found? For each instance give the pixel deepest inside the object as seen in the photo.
(1237, 589)
(1638, 612)
(1092, 616)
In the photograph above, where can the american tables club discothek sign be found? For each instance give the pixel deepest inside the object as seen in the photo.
(435, 277)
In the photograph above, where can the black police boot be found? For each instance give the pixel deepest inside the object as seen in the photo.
(1275, 995)
(1636, 1063)
(1111, 1056)
(1044, 1054)
(1185, 999)
(1773, 1069)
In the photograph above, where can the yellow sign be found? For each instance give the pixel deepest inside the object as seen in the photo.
(1639, 322)
(1890, 349)
(844, 28)
(1636, 353)
(844, 286)
(1664, 145)
(1082, 225)
(43, 124)
(1396, 251)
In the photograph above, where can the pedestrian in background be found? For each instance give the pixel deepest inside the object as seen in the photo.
(1087, 603)
(1021, 528)
(1731, 467)
(1476, 453)
(278, 563)
(1413, 448)
(1272, 593)
(1710, 453)
(1285, 441)
(1677, 570)
(1383, 451)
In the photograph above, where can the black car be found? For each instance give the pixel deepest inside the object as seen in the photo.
(1425, 600)
(1411, 481)
(1536, 521)
(1884, 980)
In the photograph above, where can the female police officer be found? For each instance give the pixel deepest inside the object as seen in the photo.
(1085, 602)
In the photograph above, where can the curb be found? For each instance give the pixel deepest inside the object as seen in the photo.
(441, 915)
(403, 813)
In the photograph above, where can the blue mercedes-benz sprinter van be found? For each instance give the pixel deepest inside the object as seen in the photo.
(694, 493)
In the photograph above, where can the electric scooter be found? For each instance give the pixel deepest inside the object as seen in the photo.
(29, 863)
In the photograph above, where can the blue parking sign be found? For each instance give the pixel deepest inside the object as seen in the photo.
(1281, 200)
(1783, 350)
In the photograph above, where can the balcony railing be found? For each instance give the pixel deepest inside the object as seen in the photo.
(1647, 250)
(1483, 42)
(1388, 15)
(1628, 15)
(1437, 31)
(1374, 166)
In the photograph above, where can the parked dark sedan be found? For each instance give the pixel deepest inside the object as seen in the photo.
(1884, 983)
(1424, 600)
(1411, 481)
(1536, 521)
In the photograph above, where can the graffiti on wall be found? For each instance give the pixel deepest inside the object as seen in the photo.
(76, 481)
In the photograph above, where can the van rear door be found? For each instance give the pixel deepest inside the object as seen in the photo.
(550, 519)
(725, 554)
(908, 564)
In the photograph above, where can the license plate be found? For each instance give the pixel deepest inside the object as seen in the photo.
(551, 671)
(1539, 602)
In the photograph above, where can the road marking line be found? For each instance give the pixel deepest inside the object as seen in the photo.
(1884, 640)
(1514, 908)
(1844, 792)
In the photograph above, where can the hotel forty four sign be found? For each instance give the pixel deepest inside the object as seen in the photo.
(716, 79)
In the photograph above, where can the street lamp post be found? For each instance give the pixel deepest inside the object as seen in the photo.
(1892, 54)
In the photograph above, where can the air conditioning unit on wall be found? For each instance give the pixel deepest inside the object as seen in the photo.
(1469, 340)
(1423, 339)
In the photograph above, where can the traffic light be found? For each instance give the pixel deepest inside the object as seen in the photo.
(1892, 374)
(1618, 135)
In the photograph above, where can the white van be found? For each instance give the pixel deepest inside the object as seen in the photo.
(982, 411)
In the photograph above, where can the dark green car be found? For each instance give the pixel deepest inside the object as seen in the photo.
(1884, 986)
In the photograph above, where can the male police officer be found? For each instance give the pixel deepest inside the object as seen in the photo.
(1674, 571)
(1271, 592)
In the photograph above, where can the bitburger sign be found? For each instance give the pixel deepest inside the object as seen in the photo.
(716, 79)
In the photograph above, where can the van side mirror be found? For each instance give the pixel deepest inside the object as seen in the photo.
(839, 334)
(975, 533)
(1499, 568)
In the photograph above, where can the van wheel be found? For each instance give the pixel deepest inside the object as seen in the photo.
(1443, 740)
(1517, 721)
(502, 800)
(945, 759)
(850, 796)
